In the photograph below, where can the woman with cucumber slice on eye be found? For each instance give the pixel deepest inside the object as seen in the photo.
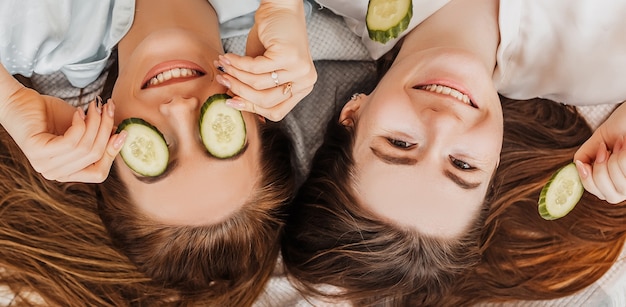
(184, 220)
(399, 210)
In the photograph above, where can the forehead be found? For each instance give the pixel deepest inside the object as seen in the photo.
(418, 197)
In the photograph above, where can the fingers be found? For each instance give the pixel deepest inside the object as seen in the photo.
(87, 149)
(607, 178)
(98, 171)
(587, 152)
(275, 113)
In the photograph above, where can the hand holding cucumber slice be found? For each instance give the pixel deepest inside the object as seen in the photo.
(386, 19)
(222, 128)
(144, 150)
(561, 194)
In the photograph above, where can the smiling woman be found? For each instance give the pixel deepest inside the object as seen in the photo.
(393, 209)
(204, 229)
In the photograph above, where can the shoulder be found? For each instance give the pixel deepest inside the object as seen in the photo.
(549, 49)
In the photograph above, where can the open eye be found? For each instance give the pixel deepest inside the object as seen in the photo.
(460, 164)
(400, 144)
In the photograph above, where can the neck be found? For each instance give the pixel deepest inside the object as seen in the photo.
(153, 15)
(461, 24)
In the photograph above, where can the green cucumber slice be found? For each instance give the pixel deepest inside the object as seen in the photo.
(145, 150)
(222, 128)
(561, 194)
(386, 19)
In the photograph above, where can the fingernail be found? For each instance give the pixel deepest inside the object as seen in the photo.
(81, 112)
(581, 169)
(110, 108)
(119, 142)
(223, 59)
(221, 80)
(219, 66)
(95, 105)
(99, 104)
(235, 103)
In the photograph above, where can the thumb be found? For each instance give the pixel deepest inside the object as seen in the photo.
(588, 151)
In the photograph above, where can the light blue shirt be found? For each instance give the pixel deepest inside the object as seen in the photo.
(72, 36)
(76, 37)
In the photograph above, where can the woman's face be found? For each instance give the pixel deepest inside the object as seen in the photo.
(196, 188)
(424, 156)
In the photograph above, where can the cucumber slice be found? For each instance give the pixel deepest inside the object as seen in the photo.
(561, 194)
(386, 19)
(222, 128)
(145, 150)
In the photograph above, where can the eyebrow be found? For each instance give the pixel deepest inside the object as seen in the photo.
(460, 181)
(393, 160)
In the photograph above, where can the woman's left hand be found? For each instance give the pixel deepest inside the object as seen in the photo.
(277, 71)
(601, 160)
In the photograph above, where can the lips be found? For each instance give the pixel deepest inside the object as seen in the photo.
(449, 91)
(171, 72)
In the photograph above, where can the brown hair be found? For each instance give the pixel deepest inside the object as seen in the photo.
(330, 239)
(55, 250)
(226, 263)
(524, 256)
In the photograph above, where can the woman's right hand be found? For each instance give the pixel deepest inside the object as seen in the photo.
(601, 160)
(277, 71)
(60, 141)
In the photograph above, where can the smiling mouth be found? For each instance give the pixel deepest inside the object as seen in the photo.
(446, 90)
(174, 74)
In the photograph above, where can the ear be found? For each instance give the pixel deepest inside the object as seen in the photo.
(349, 114)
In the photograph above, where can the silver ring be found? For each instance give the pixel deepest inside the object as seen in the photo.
(274, 76)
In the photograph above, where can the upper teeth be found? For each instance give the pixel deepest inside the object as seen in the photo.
(172, 74)
(442, 89)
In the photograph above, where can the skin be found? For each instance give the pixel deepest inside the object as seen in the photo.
(201, 189)
(67, 144)
(410, 142)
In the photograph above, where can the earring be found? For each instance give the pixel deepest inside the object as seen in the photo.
(355, 96)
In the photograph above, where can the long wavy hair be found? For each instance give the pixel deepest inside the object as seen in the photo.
(74, 244)
(232, 259)
(523, 256)
(330, 239)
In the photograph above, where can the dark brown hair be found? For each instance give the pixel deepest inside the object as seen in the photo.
(331, 239)
(224, 263)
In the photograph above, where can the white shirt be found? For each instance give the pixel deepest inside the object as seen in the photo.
(569, 51)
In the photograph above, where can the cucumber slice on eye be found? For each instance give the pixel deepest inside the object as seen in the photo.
(222, 128)
(145, 150)
(386, 19)
(561, 194)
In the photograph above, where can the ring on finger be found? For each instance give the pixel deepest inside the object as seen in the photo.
(274, 76)
(287, 88)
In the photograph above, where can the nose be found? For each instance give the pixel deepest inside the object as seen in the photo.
(440, 119)
(181, 115)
